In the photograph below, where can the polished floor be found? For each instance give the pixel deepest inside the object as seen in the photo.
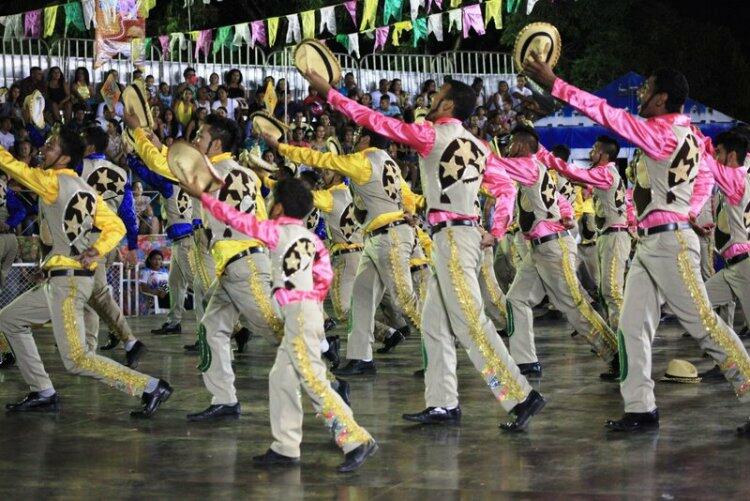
(92, 449)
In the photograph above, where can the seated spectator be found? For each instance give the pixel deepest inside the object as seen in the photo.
(495, 126)
(313, 103)
(35, 81)
(383, 91)
(151, 87)
(147, 223)
(319, 140)
(234, 84)
(184, 107)
(520, 93)
(165, 97)
(7, 137)
(300, 122)
(153, 283)
(348, 84)
(203, 99)
(191, 81)
(167, 126)
(402, 98)
(103, 111)
(221, 111)
(224, 101)
(13, 105)
(198, 118)
(115, 149)
(366, 100)
(386, 108)
(478, 87)
(81, 90)
(213, 86)
(496, 100)
(24, 152)
(348, 143)
(298, 138)
(481, 115)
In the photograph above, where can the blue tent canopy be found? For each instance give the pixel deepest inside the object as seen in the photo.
(569, 127)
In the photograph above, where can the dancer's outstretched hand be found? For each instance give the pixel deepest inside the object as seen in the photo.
(539, 71)
(318, 83)
(270, 141)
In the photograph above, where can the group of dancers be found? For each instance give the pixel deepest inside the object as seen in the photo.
(398, 261)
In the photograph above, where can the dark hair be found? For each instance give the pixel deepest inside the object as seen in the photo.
(385, 97)
(221, 87)
(464, 99)
(526, 135)
(71, 145)
(294, 196)
(93, 135)
(49, 73)
(187, 70)
(674, 84)
(81, 69)
(154, 252)
(310, 178)
(174, 126)
(610, 146)
(224, 130)
(561, 151)
(34, 68)
(228, 78)
(732, 141)
(376, 140)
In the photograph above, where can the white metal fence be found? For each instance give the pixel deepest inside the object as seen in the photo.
(17, 58)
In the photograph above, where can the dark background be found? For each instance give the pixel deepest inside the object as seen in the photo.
(602, 39)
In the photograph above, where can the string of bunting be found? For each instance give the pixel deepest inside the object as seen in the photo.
(462, 19)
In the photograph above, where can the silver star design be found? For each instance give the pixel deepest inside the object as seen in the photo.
(451, 168)
(292, 262)
(465, 152)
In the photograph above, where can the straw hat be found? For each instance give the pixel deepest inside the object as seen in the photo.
(34, 106)
(542, 38)
(192, 168)
(312, 55)
(334, 146)
(135, 101)
(681, 371)
(250, 158)
(420, 114)
(266, 124)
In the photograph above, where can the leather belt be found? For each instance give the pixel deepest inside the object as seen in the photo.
(644, 232)
(455, 222)
(341, 252)
(587, 244)
(418, 267)
(612, 230)
(550, 237)
(244, 253)
(738, 258)
(182, 237)
(384, 229)
(69, 273)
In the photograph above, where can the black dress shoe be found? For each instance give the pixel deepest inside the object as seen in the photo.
(435, 415)
(7, 360)
(329, 324)
(152, 401)
(744, 430)
(391, 342)
(356, 458)
(342, 388)
(574, 334)
(356, 368)
(635, 421)
(271, 458)
(524, 411)
(534, 369)
(744, 333)
(134, 354)
(242, 337)
(216, 413)
(167, 329)
(191, 347)
(332, 355)
(712, 375)
(419, 373)
(112, 343)
(503, 333)
(613, 374)
(34, 402)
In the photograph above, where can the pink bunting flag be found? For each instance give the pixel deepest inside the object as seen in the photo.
(205, 37)
(258, 33)
(439, 4)
(33, 23)
(164, 43)
(381, 36)
(351, 6)
(472, 18)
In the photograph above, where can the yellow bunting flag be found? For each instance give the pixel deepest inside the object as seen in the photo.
(50, 16)
(273, 28)
(308, 24)
(368, 16)
(493, 12)
(455, 3)
(399, 28)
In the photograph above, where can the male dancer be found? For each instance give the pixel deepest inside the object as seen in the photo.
(544, 218)
(242, 264)
(452, 164)
(301, 276)
(69, 212)
(384, 264)
(671, 186)
(112, 183)
(12, 213)
(610, 217)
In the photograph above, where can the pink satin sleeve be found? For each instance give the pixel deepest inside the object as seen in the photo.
(501, 186)
(566, 210)
(544, 228)
(731, 180)
(265, 231)
(440, 216)
(654, 137)
(702, 188)
(630, 209)
(598, 177)
(735, 250)
(521, 169)
(420, 137)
